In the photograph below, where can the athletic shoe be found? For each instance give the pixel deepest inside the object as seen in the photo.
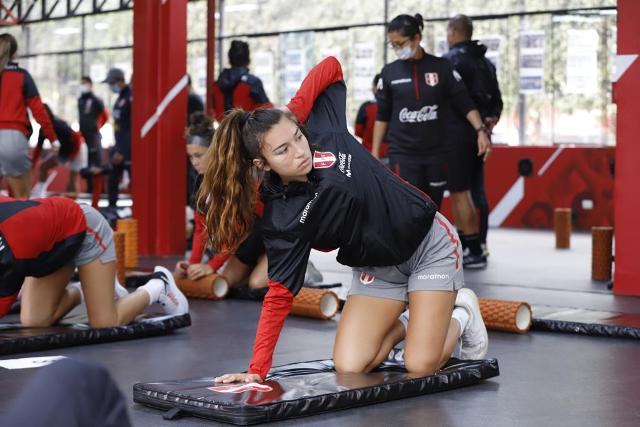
(171, 299)
(312, 275)
(474, 339)
(472, 261)
(404, 319)
(485, 249)
(396, 356)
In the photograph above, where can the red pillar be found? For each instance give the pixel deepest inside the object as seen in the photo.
(211, 53)
(159, 112)
(626, 193)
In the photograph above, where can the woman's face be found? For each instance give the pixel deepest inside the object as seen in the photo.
(286, 151)
(404, 47)
(196, 155)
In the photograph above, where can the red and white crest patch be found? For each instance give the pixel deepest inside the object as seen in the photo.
(323, 159)
(241, 388)
(431, 78)
(366, 279)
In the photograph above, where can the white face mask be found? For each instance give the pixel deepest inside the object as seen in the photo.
(82, 89)
(405, 53)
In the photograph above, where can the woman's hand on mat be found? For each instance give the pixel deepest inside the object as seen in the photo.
(238, 378)
(182, 267)
(198, 271)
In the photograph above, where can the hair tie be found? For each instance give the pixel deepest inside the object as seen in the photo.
(244, 118)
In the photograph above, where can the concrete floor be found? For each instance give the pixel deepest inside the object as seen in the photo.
(546, 379)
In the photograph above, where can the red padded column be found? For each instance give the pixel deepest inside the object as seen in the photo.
(159, 112)
(627, 176)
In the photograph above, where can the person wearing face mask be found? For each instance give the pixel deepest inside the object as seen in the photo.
(18, 92)
(121, 152)
(92, 115)
(414, 97)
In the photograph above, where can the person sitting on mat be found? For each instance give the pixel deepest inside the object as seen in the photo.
(322, 189)
(42, 241)
(72, 151)
(247, 266)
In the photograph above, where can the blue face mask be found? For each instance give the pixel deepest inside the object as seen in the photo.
(114, 88)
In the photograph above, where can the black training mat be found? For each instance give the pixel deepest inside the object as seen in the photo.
(585, 322)
(302, 389)
(16, 339)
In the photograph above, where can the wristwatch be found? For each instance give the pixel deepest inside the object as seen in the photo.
(484, 129)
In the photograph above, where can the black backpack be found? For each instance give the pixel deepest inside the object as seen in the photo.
(484, 88)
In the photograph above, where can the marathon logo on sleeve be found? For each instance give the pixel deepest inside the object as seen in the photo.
(431, 79)
(323, 159)
(241, 388)
(305, 212)
(425, 114)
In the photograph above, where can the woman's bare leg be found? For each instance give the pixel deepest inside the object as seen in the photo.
(236, 272)
(72, 185)
(432, 334)
(46, 300)
(98, 282)
(367, 331)
(259, 277)
(20, 185)
(48, 164)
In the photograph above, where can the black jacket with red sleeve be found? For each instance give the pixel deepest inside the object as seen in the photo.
(350, 202)
(37, 238)
(17, 92)
(237, 88)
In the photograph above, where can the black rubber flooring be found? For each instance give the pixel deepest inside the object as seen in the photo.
(546, 378)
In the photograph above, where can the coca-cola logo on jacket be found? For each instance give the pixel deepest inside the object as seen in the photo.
(426, 113)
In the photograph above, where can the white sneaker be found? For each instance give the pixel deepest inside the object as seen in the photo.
(475, 340)
(312, 275)
(171, 299)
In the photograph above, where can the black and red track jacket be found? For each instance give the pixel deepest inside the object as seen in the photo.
(351, 203)
(92, 114)
(237, 88)
(415, 98)
(37, 238)
(17, 92)
(70, 140)
(365, 120)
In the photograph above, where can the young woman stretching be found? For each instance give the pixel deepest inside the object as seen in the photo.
(323, 190)
(248, 265)
(42, 241)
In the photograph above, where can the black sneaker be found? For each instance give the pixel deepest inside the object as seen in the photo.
(472, 261)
